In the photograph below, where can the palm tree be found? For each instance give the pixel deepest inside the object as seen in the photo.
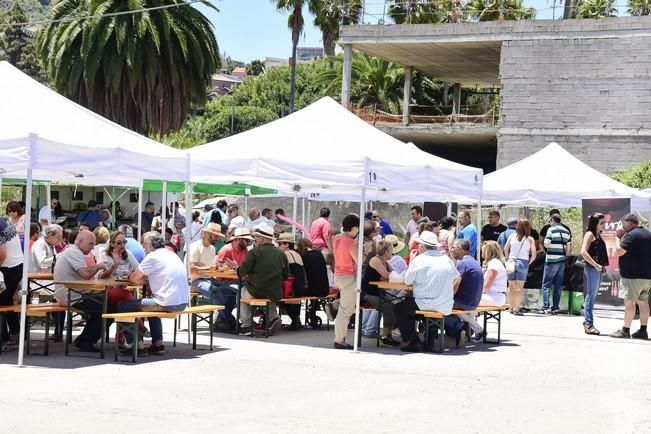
(415, 11)
(330, 14)
(144, 70)
(595, 9)
(639, 7)
(498, 10)
(295, 23)
(376, 82)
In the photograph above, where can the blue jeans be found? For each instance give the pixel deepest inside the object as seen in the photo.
(592, 282)
(148, 305)
(553, 276)
(219, 292)
(369, 322)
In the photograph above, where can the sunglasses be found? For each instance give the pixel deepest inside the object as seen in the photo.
(120, 243)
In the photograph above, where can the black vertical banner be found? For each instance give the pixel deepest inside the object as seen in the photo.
(613, 209)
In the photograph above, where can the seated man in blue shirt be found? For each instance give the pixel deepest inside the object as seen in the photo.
(91, 217)
(468, 294)
(433, 277)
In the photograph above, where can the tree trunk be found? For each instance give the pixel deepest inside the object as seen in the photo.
(292, 75)
(328, 43)
(567, 12)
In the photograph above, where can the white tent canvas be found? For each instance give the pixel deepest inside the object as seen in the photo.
(325, 147)
(40, 129)
(550, 177)
(641, 200)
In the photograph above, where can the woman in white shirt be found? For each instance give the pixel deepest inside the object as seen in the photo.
(494, 276)
(521, 248)
(11, 267)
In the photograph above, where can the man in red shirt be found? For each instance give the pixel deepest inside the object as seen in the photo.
(231, 255)
(321, 231)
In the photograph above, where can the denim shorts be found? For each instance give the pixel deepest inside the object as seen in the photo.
(521, 270)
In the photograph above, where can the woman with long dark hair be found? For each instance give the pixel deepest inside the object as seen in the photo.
(593, 250)
(11, 267)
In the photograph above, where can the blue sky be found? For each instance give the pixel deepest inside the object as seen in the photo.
(252, 29)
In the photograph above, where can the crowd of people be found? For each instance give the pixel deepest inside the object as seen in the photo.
(438, 258)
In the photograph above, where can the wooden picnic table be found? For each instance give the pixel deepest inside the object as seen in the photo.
(214, 274)
(383, 284)
(89, 289)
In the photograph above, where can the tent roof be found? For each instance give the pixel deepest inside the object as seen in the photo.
(324, 146)
(44, 130)
(550, 177)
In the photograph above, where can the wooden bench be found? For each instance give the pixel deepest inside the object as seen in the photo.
(437, 319)
(42, 310)
(127, 320)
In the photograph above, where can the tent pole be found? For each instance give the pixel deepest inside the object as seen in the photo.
(113, 216)
(26, 257)
(188, 238)
(294, 206)
(309, 216)
(303, 214)
(479, 229)
(246, 204)
(163, 214)
(140, 188)
(449, 208)
(360, 260)
(48, 202)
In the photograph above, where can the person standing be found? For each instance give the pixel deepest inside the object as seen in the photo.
(557, 242)
(511, 224)
(412, 224)
(46, 214)
(446, 234)
(11, 267)
(385, 226)
(91, 216)
(344, 248)
(147, 217)
(492, 231)
(521, 249)
(467, 231)
(321, 231)
(593, 251)
(634, 251)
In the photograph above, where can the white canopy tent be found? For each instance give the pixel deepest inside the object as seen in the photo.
(43, 133)
(550, 177)
(641, 200)
(325, 147)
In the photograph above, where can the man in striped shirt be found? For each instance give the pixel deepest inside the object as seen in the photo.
(557, 244)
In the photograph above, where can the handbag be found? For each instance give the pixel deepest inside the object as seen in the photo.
(580, 262)
(288, 287)
(510, 263)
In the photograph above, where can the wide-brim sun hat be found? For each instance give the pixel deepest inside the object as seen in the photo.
(428, 238)
(286, 237)
(242, 233)
(264, 231)
(395, 243)
(214, 229)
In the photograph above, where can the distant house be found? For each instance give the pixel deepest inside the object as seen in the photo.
(222, 83)
(308, 53)
(239, 72)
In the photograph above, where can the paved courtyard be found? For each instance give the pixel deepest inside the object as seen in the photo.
(546, 376)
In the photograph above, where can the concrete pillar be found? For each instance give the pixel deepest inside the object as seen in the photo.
(406, 96)
(346, 75)
(456, 98)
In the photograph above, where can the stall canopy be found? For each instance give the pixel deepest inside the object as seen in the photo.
(324, 147)
(550, 177)
(56, 137)
(641, 200)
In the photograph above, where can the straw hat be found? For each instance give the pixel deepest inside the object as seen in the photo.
(395, 242)
(242, 233)
(215, 229)
(264, 231)
(286, 237)
(428, 238)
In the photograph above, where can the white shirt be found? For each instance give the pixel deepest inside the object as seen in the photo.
(45, 213)
(261, 221)
(432, 276)
(519, 249)
(237, 222)
(167, 276)
(14, 253)
(412, 228)
(98, 250)
(202, 255)
(124, 268)
(42, 256)
(500, 283)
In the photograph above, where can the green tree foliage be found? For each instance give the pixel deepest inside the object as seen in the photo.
(254, 68)
(17, 43)
(497, 10)
(330, 14)
(595, 9)
(295, 22)
(415, 12)
(636, 177)
(639, 7)
(144, 70)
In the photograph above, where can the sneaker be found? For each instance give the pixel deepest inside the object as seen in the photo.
(412, 347)
(342, 346)
(479, 337)
(388, 341)
(275, 324)
(461, 337)
(555, 311)
(330, 312)
(156, 350)
(371, 336)
(544, 311)
(620, 334)
(246, 331)
(640, 334)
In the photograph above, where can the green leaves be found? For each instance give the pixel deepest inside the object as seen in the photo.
(636, 177)
(143, 70)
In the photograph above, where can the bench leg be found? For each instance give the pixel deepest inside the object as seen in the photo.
(2, 326)
(28, 335)
(136, 342)
(499, 326)
(266, 320)
(46, 345)
(176, 320)
(68, 327)
(485, 326)
(212, 321)
(194, 331)
(117, 336)
(441, 333)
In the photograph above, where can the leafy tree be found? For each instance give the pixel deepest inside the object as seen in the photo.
(595, 9)
(330, 14)
(254, 68)
(143, 70)
(17, 43)
(415, 11)
(639, 7)
(636, 177)
(498, 10)
(295, 22)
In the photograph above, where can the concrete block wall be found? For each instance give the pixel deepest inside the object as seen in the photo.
(593, 96)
